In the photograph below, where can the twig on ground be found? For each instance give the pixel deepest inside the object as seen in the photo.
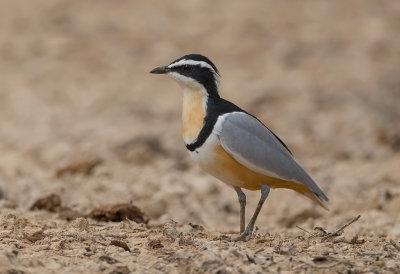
(259, 250)
(303, 229)
(322, 230)
(250, 259)
(393, 243)
(337, 232)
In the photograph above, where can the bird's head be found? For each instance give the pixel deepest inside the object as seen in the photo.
(193, 71)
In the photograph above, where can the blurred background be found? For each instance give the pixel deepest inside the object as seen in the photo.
(75, 90)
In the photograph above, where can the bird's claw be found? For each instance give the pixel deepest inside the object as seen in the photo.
(244, 237)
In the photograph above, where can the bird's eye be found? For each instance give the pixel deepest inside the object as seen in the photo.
(187, 68)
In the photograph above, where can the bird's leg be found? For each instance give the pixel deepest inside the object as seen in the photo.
(242, 203)
(249, 229)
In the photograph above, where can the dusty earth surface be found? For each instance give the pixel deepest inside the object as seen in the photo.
(82, 120)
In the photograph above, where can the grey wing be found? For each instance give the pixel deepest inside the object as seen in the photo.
(252, 144)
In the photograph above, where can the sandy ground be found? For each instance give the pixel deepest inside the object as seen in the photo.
(81, 118)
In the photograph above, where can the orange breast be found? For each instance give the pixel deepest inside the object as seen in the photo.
(193, 114)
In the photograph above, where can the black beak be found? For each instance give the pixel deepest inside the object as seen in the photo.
(161, 70)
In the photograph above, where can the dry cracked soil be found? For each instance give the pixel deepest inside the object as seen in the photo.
(94, 177)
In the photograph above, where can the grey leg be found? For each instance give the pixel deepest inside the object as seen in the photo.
(249, 229)
(242, 202)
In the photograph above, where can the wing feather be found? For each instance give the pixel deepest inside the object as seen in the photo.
(252, 144)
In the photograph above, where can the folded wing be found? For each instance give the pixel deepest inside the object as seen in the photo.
(253, 145)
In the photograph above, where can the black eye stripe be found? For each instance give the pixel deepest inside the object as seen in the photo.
(187, 68)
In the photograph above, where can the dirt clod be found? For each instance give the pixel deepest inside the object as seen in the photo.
(196, 227)
(120, 244)
(154, 243)
(34, 235)
(390, 138)
(50, 203)
(118, 213)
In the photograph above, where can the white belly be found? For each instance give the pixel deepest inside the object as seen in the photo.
(205, 156)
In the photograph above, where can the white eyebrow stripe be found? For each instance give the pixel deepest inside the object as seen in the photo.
(192, 62)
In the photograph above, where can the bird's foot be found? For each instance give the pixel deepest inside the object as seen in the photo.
(244, 237)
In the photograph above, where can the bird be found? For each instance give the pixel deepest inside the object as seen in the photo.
(231, 144)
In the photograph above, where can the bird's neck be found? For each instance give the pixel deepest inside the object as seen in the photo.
(193, 113)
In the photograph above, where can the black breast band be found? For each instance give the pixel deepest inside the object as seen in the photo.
(215, 108)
